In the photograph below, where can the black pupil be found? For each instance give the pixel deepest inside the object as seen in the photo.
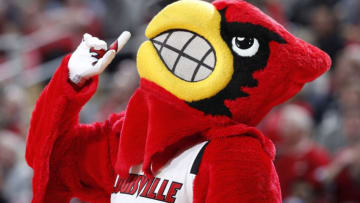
(244, 42)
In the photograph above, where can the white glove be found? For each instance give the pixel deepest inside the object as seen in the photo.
(91, 57)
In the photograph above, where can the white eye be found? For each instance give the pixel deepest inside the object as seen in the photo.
(245, 46)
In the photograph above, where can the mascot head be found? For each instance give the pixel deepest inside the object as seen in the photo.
(208, 66)
(227, 58)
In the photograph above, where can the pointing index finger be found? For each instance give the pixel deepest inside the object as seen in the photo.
(120, 42)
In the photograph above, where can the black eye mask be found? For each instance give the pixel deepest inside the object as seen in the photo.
(241, 38)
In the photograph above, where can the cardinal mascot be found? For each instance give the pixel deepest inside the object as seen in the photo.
(208, 74)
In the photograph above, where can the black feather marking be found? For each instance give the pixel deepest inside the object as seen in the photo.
(244, 67)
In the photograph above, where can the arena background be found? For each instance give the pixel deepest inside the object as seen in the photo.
(317, 134)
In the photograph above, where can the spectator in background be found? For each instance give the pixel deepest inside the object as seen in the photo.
(344, 171)
(11, 109)
(15, 175)
(345, 98)
(348, 67)
(347, 162)
(348, 12)
(325, 28)
(298, 156)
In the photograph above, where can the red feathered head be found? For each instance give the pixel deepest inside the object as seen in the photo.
(227, 58)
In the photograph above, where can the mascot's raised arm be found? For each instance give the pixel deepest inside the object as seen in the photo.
(209, 74)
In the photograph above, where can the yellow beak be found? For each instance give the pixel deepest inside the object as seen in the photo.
(202, 19)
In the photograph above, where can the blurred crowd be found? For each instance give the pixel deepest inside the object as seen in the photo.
(317, 134)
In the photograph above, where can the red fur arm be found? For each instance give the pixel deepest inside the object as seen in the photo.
(82, 162)
(236, 169)
(55, 137)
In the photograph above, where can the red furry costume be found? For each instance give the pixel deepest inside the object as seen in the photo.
(268, 66)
